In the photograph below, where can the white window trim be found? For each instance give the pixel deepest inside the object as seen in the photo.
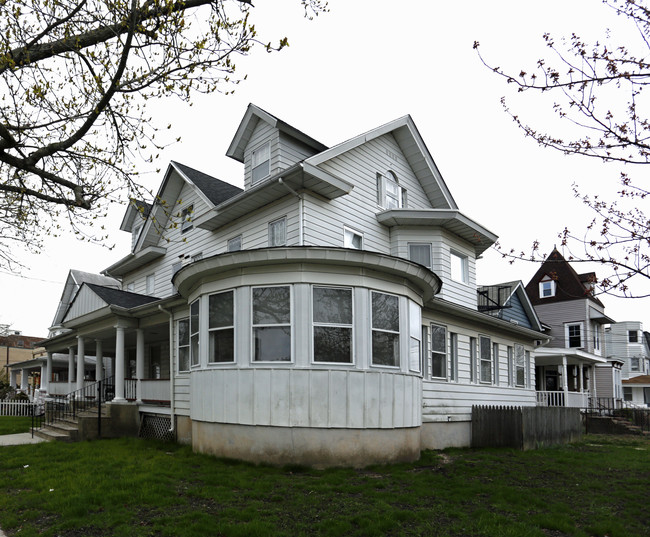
(519, 347)
(196, 365)
(398, 332)
(274, 222)
(482, 359)
(233, 327)
(335, 325)
(464, 261)
(453, 357)
(150, 289)
(427, 244)
(582, 335)
(290, 324)
(266, 147)
(382, 191)
(551, 286)
(443, 355)
(179, 346)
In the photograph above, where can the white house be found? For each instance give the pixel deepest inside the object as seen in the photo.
(325, 314)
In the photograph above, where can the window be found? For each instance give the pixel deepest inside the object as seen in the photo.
(221, 327)
(635, 364)
(390, 195)
(453, 358)
(511, 366)
(352, 239)
(520, 365)
(197, 257)
(186, 219)
(415, 335)
(472, 359)
(485, 347)
(420, 253)
(438, 351)
(495, 359)
(194, 333)
(135, 233)
(261, 162)
(459, 268)
(573, 335)
(632, 336)
(272, 324)
(332, 310)
(627, 393)
(234, 244)
(130, 287)
(385, 329)
(547, 287)
(151, 284)
(278, 232)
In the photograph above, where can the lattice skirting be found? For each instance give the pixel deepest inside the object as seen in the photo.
(156, 427)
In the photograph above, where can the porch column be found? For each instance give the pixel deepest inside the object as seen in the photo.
(14, 378)
(139, 362)
(581, 381)
(70, 368)
(119, 365)
(24, 375)
(45, 381)
(43, 375)
(592, 379)
(81, 362)
(565, 380)
(99, 364)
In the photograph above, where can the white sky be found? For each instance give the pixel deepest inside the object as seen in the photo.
(365, 63)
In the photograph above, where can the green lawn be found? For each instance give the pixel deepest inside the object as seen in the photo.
(15, 424)
(129, 487)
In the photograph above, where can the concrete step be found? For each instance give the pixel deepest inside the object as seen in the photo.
(51, 434)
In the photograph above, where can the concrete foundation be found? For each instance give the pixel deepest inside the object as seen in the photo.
(184, 430)
(319, 448)
(441, 435)
(121, 420)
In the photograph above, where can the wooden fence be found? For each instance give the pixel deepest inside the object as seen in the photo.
(15, 408)
(524, 427)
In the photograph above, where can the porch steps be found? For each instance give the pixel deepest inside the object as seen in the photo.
(66, 429)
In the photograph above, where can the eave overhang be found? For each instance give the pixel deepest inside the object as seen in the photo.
(554, 355)
(449, 219)
(190, 276)
(468, 314)
(302, 176)
(599, 317)
(134, 261)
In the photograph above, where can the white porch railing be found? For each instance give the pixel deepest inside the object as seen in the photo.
(15, 408)
(155, 390)
(568, 399)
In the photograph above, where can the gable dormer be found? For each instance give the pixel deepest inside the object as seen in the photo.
(134, 219)
(267, 145)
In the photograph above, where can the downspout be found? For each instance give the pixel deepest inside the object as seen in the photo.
(300, 210)
(172, 372)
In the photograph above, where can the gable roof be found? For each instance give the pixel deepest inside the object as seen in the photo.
(415, 152)
(214, 189)
(515, 291)
(569, 284)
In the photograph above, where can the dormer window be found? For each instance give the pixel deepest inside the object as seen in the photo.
(546, 287)
(261, 162)
(390, 194)
(135, 233)
(186, 219)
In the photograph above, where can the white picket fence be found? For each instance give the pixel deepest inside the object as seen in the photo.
(15, 408)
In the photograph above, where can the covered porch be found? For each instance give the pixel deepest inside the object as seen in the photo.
(565, 377)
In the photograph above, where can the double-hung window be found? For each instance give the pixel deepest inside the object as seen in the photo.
(278, 232)
(261, 162)
(272, 324)
(385, 329)
(459, 267)
(520, 365)
(390, 194)
(183, 327)
(352, 239)
(438, 351)
(221, 327)
(332, 311)
(194, 333)
(420, 253)
(547, 288)
(485, 348)
(574, 335)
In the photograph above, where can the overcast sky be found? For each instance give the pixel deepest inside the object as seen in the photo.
(365, 63)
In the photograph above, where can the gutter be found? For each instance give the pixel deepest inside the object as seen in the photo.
(172, 372)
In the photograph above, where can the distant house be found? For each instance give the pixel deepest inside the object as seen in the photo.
(325, 314)
(574, 319)
(628, 343)
(14, 348)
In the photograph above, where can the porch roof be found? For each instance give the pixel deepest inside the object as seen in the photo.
(641, 381)
(554, 355)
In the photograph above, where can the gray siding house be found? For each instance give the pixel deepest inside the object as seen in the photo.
(326, 314)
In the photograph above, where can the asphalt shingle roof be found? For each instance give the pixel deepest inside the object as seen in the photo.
(216, 190)
(117, 297)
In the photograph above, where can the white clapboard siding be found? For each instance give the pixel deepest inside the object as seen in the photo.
(262, 134)
(450, 401)
(306, 398)
(85, 301)
(182, 394)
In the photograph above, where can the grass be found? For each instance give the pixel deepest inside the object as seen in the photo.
(15, 424)
(130, 487)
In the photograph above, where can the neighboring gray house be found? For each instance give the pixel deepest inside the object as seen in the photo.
(574, 319)
(628, 343)
(325, 314)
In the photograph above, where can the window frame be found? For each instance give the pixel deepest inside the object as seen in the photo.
(396, 358)
(186, 218)
(568, 336)
(421, 244)
(415, 338)
(282, 220)
(632, 336)
(262, 148)
(339, 325)
(520, 365)
(222, 328)
(442, 356)
(635, 360)
(232, 241)
(453, 357)
(349, 244)
(195, 349)
(484, 344)
(511, 365)
(383, 196)
(547, 284)
(255, 326)
(464, 267)
(150, 283)
(495, 362)
(473, 357)
(179, 345)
